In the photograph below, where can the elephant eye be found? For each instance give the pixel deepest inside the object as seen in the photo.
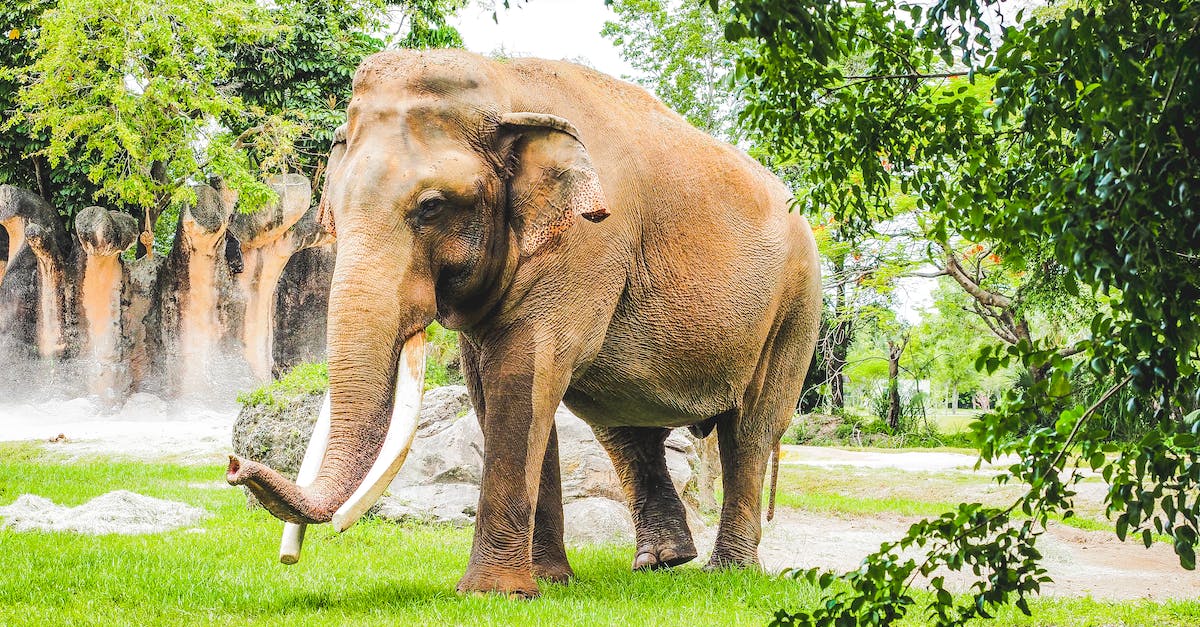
(430, 208)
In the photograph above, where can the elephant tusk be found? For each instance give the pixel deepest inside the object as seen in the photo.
(410, 385)
(318, 443)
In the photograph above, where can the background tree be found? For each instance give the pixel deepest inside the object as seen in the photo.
(131, 90)
(303, 73)
(682, 58)
(127, 104)
(67, 184)
(1085, 147)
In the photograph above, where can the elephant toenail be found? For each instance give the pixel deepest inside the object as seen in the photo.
(644, 560)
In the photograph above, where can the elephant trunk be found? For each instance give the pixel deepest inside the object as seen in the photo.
(376, 367)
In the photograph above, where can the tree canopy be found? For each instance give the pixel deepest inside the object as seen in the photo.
(1066, 135)
(124, 103)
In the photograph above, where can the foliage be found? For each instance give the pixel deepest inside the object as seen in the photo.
(852, 429)
(303, 73)
(677, 48)
(1082, 146)
(137, 109)
(441, 368)
(944, 343)
(64, 186)
(442, 357)
(126, 103)
(425, 23)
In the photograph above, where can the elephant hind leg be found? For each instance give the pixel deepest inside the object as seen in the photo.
(746, 442)
(659, 519)
(549, 553)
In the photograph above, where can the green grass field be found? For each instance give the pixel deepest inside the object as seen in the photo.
(952, 421)
(226, 572)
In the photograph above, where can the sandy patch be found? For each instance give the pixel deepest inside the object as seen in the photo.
(120, 512)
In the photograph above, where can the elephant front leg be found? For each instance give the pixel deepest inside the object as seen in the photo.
(516, 430)
(549, 553)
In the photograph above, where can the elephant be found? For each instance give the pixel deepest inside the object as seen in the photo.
(590, 247)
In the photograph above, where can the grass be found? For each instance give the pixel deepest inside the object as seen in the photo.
(226, 571)
(302, 380)
(952, 421)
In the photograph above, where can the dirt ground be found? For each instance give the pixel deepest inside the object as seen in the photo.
(1082, 563)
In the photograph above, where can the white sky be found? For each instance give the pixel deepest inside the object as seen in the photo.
(570, 29)
(551, 29)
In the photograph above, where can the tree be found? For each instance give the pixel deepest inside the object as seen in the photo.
(67, 184)
(125, 103)
(1083, 146)
(303, 73)
(686, 63)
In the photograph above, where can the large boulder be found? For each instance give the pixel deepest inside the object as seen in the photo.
(445, 503)
(276, 431)
(277, 434)
(597, 520)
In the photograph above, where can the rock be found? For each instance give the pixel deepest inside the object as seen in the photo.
(116, 512)
(586, 468)
(440, 407)
(301, 300)
(277, 436)
(446, 503)
(104, 233)
(439, 481)
(452, 454)
(597, 520)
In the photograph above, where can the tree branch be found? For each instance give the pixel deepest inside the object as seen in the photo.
(956, 271)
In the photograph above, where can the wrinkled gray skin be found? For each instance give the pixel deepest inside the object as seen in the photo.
(688, 296)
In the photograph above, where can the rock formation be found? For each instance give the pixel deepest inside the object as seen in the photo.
(201, 318)
(36, 295)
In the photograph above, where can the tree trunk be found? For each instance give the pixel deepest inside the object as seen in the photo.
(895, 350)
(835, 365)
(956, 396)
(839, 344)
(40, 171)
(148, 217)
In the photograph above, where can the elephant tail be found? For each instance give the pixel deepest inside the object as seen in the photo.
(774, 480)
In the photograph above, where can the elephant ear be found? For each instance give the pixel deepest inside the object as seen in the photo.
(551, 182)
(336, 151)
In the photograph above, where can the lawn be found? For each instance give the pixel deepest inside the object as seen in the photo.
(226, 571)
(950, 420)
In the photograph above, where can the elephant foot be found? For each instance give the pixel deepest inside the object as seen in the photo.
(553, 571)
(515, 584)
(723, 560)
(675, 549)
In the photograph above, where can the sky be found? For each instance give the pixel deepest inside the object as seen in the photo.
(551, 29)
(570, 29)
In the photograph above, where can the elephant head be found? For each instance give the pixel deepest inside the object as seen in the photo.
(437, 194)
